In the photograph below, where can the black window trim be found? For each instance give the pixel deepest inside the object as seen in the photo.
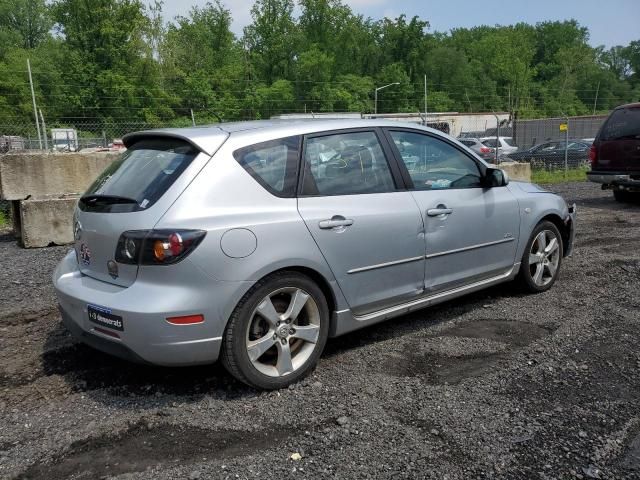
(394, 168)
(295, 165)
(403, 168)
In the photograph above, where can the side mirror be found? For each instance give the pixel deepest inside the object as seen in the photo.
(495, 177)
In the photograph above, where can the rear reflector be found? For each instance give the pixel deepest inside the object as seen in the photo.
(186, 320)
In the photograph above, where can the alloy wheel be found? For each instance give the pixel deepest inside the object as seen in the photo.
(544, 257)
(283, 331)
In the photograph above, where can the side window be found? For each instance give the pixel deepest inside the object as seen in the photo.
(273, 164)
(434, 164)
(344, 164)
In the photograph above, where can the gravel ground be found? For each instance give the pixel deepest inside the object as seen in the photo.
(494, 385)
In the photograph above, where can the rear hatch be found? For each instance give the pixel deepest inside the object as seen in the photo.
(132, 194)
(618, 144)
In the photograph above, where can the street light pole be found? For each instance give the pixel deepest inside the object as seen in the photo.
(375, 101)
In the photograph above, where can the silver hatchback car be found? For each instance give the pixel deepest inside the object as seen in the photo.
(254, 242)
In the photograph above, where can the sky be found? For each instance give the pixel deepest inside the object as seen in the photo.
(610, 22)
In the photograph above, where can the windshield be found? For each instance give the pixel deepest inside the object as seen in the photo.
(623, 123)
(141, 176)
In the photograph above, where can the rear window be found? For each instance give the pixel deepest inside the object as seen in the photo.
(623, 123)
(489, 143)
(272, 164)
(509, 141)
(468, 143)
(139, 177)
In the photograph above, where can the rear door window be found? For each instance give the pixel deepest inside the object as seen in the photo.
(346, 164)
(622, 124)
(141, 175)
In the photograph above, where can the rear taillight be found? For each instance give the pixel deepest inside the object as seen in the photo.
(156, 247)
(486, 150)
(593, 155)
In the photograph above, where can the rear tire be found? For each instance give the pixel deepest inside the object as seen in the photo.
(277, 332)
(542, 258)
(624, 196)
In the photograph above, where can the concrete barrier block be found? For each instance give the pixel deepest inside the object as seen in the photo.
(41, 174)
(517, 171)
(46, 221)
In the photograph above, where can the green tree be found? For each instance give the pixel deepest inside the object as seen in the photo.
(272, 38)
(24, 23)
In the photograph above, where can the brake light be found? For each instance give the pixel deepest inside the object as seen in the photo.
(156, 247)
(593, 155)
(486, 150)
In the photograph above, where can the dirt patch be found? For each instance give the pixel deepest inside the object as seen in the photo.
(453, 367)
(143, 446)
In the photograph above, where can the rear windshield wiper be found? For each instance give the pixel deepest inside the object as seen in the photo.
(96, 199)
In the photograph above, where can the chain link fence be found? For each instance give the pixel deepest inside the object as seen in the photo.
(549, 143)
(559, 143)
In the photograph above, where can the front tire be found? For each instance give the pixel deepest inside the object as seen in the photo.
(277, 332)
(542, 258)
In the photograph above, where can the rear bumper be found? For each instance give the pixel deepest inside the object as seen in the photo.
(616, 180)
(147, 337)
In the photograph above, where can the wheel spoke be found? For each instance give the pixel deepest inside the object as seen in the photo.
(541, 240)
(268, 311)
(537, 277)
(534, 258)
(551, 268)
(298, 300)
(284, 364)
(257, 348)
(552, 246)
(308, 333)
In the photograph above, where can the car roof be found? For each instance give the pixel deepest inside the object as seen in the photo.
(628, 105)
(208, 137)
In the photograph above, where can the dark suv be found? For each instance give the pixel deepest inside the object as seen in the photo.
(615, 153)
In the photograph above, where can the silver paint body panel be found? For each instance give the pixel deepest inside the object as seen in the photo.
(393, 259)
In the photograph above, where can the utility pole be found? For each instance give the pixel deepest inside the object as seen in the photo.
(566, 148)
(35, 109)
(595, 102)
(425, 101)
(193, 119)
(44, 130)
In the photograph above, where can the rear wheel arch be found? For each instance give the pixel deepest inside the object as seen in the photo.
(317, 277)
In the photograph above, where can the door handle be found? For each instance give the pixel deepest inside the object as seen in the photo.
(334, 222)
(439, 210)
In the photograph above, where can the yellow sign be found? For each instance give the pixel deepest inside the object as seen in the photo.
(564, 127)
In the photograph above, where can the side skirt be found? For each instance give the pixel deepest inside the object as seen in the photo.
(344, 321)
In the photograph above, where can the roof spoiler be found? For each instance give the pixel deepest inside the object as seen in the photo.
(206, 141)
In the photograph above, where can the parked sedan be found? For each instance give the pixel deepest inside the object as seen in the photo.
(255, 242)
(486, 153)
(551, 154)
(505, 145)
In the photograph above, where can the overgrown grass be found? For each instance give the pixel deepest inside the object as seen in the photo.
(4, 214)
(559, 176)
